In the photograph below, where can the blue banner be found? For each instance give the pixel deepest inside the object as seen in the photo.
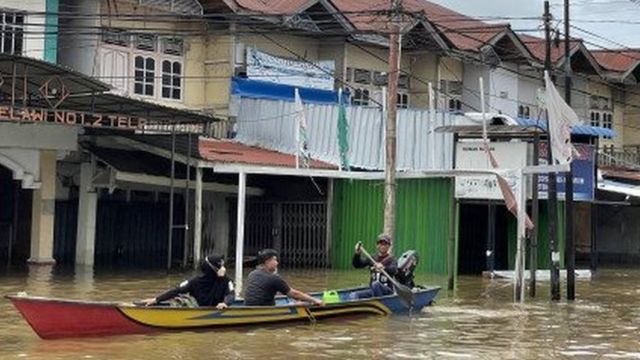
(583, 173)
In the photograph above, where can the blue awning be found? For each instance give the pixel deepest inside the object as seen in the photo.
(588, 130)
(267, 90)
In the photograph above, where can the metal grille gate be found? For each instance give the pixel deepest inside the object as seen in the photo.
(298, 230)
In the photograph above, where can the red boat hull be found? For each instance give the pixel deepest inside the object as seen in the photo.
(57, 319)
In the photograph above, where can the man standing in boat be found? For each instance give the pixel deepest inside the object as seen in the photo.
(379, 284)
(263, 283)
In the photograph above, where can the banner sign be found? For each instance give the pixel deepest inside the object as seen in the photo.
(471, 156)
(265, 67)
(583, 173)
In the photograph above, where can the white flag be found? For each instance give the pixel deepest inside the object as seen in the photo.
(561, 119)
(302, 149)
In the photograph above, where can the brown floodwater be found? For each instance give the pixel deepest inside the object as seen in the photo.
(477, 321)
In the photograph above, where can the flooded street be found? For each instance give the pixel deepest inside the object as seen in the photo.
(478, 321)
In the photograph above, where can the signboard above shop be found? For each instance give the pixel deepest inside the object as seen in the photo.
(515, 155)
(279, 70)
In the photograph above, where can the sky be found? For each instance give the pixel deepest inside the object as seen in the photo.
(603, 18)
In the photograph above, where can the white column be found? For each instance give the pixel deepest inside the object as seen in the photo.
(242, 192)
(87, 210)
(197, 221)
(43, 208)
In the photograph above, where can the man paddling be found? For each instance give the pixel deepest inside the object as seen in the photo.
(379, 284)
(263, 283)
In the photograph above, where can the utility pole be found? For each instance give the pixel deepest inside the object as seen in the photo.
(390, 133)
(552, 200)
(570, 249)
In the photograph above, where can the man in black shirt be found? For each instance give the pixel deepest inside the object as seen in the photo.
(379, 284)
(263, 283)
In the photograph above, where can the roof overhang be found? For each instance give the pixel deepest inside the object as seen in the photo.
(27, 78)
(508, 33)
(581, 49)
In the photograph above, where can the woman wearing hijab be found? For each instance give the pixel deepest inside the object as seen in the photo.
(212, 288)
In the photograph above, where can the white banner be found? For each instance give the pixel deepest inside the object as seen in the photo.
(265, 67)
(471, 156)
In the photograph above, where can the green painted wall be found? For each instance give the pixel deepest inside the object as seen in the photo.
(544, 258)
(422, 220)
(51, 29)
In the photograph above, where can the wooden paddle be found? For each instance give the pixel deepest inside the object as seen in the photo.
(405, 294)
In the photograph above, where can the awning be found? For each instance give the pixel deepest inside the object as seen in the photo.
(37, 74)
(112, 104)
(619, 187)
(588, 130)
(272, 91)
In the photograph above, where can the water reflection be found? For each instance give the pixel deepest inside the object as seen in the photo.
(476, 321)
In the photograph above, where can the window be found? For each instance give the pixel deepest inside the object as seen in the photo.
(171, 79)
(403, 81)
(601, 118)
(403, 101)
(524, 111)
(145, 42)
(379, 78)
(362, 76)
(594, 122)
(455, 105)
(115, 37)
(607, 120)
(144, 75)
(144, 64)
(11, 32)
(360, 97)
(172, 46)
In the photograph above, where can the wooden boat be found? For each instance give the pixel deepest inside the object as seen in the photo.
(54, 318)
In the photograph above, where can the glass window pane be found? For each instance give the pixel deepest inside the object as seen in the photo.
(166, 80)
(139, 62)
(166, 92)
(150, 63)
(166, 66)
(148, 90)
(177, 68)
(176, 81)
(176, 93)
(137, 88)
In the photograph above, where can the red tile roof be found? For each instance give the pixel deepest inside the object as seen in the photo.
(617, 60)
(227, 151)
(465, 33)
(537, 47)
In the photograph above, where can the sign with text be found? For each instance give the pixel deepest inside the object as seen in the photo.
(471, 156)
(66, 117)
(265, 67)
(583, 173)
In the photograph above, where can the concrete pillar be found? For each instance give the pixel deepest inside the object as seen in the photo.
(43, 211)
(87, 209)
(242, 191)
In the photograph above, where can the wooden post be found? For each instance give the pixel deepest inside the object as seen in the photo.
(242, 192)
(197, 221)
(171, 184)
(552, 201)
(390, 143)
(570, 248)
(533, 250)
(453, 213)
(521, 237)
(329, 234)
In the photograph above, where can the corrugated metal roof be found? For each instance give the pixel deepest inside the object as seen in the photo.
(617, 60)
(271, 124)
(595, 131)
